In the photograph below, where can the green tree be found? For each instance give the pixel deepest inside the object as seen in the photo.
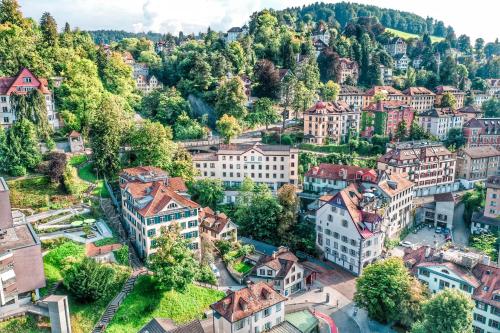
(491, 107)
(173, 264)
(182, 165)
(106, 134)
(116, 76)
(164, 106)
(382, 288)
(48, 26)
(207, 192)
(330, 91)
(448, 101)
(289, 201)
(448, 72)
(231, 98)
(10, 12)
(287, 94)
(186, 128)
(150, 58)
(151, 144)
(88, 280)
(236, 56)
(267, 79)
(265, 112)
(228, 127)
(487, 244)
(401, 131)
(455, 138)
(303, 98)
(19, 150)
(417, 132)
(448, 311)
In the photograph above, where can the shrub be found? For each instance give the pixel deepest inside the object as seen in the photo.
(89, 280)
(223, 246)
(121, 255)
(206, 275)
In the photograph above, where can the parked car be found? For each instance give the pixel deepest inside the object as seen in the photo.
(215, 270)
(439, 230)
(446, 231)
(406, 244)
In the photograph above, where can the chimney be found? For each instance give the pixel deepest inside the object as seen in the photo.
(427, 251)
(486, 260)
(441, 256)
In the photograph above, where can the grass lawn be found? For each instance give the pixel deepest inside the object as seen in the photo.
(83, 316)
(242, 267)
(25, 324)
(77, 160)
(407, 35)
(39, 194)
(145, 303)
(107, 241)
(87, 173)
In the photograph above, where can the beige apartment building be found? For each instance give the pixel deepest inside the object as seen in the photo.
(420, 98)
(459, 95)
(151, 200)
(352, 96)
(477, 163)
(330, 121)
(428, 164)
(273, 165)
(390, 94)
(488, 220)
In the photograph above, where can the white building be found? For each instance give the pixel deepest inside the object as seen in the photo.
(469, 272)
(420, 98)
(151, 201)
(273, 165)
(401, 62)
(348, 229)
(282, 269)
(254, 309)
(352, 96)
(396, 46)
(439, 121)
(217, 226)
(385, 75)
(428, 164)
(21, 84)
(236, 33)
(439, 212)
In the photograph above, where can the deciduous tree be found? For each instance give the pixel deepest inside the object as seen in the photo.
(207, 192)
(228, 127)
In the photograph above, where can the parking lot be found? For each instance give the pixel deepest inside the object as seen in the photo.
(427, 237)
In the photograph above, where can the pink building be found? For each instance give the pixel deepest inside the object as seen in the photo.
(394, 113)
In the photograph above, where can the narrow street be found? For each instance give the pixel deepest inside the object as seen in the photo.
(226, 281)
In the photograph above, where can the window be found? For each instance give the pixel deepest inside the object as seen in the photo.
(267, 326)
(239, 324)
(151, 232)
(3, 99)
(481, 306)
(424, 272)
(267, 312)
(26, 79)
(479, 318)
(344, 223)
(493, 323)
(269, 272)
(278, 307)
(336, 235)
(262, 272)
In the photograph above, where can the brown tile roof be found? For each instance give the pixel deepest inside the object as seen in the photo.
(490, 123)
(337, 172)
(160, 325)
(213, 221)
(245, 302)
(389, 89)
(440, 113)
(470, 109)
(409, 153)
(400, 180)
(137, 171)
(205, 157)
(350, 90)
(443, 89)
(481, 152)
(74, 134)
(177, 184)
(280, 261)
(489, 277)
(387, 106)
(412, 91)
(160, 196)
(444, 197)
(329, 107)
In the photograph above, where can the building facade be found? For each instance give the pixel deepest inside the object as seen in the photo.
(470, 112)
(348, 229)
(439, 212)
(396, 46)
(348, 70)
(459, 95)
(427, 164)
(477, 163)
(482, 132)
(152, 201)
(21, 264)
(384, 117)
(488, 220)
(273, 165)
(420, 98)
(439, 121)
(281, 269)
(256, 308)
(389, 93)
(385, 75)
(21, 84)
(401, 62)
(217, 226)
(469, 272)
(330, 122)
(352, 96)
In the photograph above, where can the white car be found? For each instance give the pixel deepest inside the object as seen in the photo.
(406, 244)
(215, 270)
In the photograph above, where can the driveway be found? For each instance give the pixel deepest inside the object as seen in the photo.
(460, 231)
(226, 281)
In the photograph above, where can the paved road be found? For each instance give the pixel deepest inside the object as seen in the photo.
(460, 231)
(226, 281)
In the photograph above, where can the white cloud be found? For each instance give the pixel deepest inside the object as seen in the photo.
(477, 19)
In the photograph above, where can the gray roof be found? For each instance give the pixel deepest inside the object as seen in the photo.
(260, 247)
(480, 218)
(284, 327)
(159, 325)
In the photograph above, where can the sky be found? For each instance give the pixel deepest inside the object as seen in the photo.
(478, 18)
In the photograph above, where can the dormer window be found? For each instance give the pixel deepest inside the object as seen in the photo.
(172, 205)
(496, 297)
(27, 79)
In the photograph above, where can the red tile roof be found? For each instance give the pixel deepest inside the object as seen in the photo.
(245, 302)
(9, 85)
(330, 107)
(417, 91)
(280, 261)
(213, 221)
(389, 89)
(342, 172)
